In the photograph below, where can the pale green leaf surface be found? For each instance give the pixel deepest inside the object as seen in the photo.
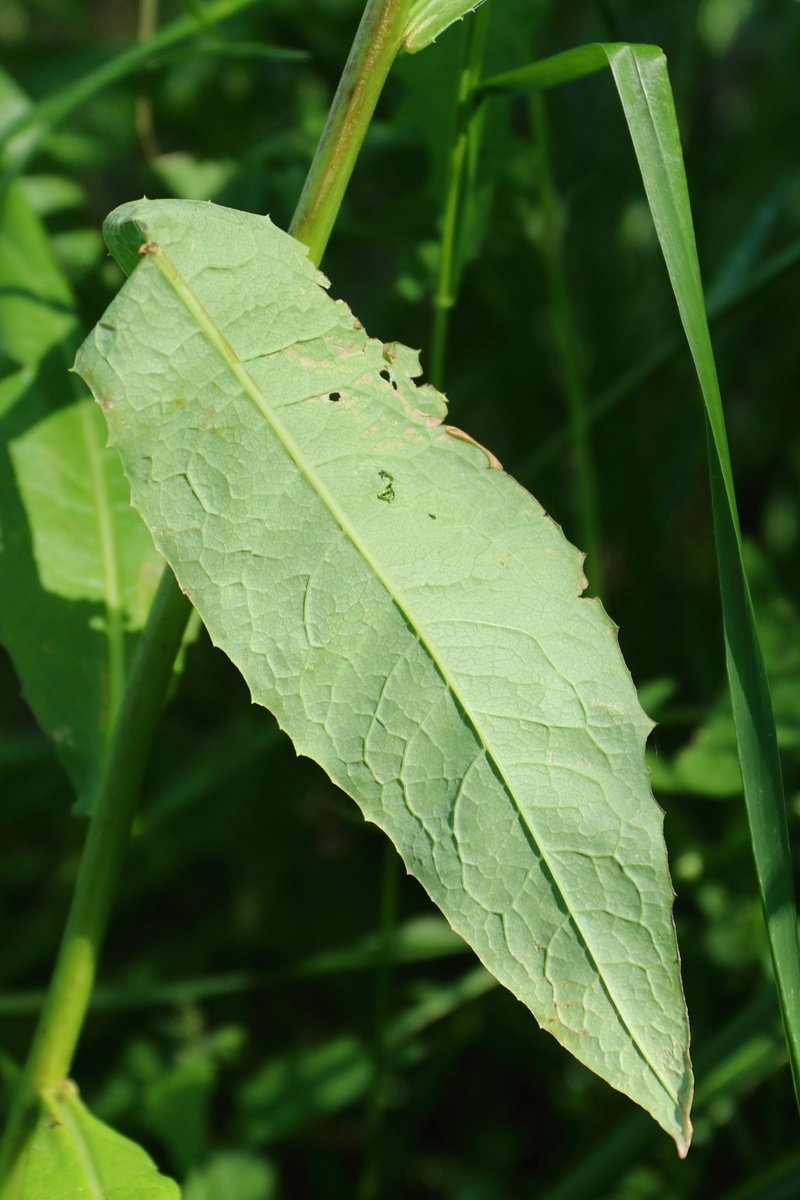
(77, 566)
(429, 18)
(410, 614)
(73, 1154)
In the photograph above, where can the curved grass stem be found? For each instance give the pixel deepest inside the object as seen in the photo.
(462, 171)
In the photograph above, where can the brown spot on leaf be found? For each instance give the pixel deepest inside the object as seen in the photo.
(494, 461)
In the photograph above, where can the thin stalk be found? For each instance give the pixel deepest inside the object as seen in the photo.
(145, 126)
(462, 170)
(114, 614)
(377, 41)
(110, 825)
(568, 349)
(606, 14)
(370, 1184)
(631, 380)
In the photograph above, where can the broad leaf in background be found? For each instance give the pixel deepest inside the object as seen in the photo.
(429, 18)
(77, 566)
(73, 1154)
(410, 614)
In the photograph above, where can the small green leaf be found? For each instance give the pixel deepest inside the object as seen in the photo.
(432, 653)
(73, 1154)
(429, 18)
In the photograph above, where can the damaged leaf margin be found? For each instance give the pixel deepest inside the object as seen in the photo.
(446, 672)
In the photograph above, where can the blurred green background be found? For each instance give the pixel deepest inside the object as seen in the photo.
(228, 1037)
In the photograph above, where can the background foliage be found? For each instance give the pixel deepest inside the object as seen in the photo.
(227, 1039)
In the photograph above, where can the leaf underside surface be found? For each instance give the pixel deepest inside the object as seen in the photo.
(409, 613)
(73, 1154)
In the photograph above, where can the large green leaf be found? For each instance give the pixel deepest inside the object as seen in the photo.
(410, 614)
(77, 566)
(73, 1154)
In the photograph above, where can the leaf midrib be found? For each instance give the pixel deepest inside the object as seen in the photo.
(217, 339)
(65, 1115)
(112, 585)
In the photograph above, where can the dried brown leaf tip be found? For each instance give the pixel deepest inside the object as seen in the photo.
(494, 461)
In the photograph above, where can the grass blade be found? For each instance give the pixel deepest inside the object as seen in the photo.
(640, 74)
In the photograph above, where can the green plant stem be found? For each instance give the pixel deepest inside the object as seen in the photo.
(568, 349)
(631, 380)
(112, 817)
(462, 169)
(109, 830)
(370, 1183)
(377, 41)
(612, 28)
(145, 127)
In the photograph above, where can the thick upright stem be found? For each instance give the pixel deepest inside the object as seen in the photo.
(109, 830)
(377, 41)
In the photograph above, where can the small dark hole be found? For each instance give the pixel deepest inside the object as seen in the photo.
(385, 375)
(432, 516)
(335, 397)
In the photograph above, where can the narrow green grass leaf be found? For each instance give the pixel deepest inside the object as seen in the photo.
(642, 81)
(643, 84)
(77, 566)
(429, 18)
(409, 613)
(73, 1154)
